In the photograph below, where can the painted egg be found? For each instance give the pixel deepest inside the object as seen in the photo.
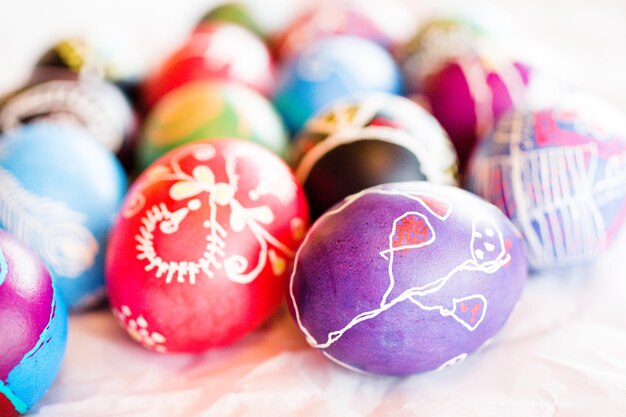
(330, 69)
(438, 41)
(68, 59)
(234, 13)
(560, 174)
(95, 105)
(370, 140)
(59, 192)
(215, 51)
(205, 109)
(469, 81)
(33, 328)
(385, 24)
(201, 251)
(406, 278)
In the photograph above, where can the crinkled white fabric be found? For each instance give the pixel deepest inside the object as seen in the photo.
(562, 353)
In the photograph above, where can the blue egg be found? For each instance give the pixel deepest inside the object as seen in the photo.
(59, 193)
(330, 69)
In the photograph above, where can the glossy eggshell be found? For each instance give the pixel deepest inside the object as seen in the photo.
(214, 51)
(204, 109)
(406, 278)
(201, 251)
(468, 96)
(330, 69)
(370, 140)
(59, 193)
(559, 174)
(94, 105)
(33, 328)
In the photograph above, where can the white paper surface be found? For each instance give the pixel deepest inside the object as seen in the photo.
(563, 352)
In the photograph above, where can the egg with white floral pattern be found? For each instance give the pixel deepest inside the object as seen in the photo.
(203, 244)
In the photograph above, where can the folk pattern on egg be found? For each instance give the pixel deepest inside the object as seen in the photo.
(200, 188)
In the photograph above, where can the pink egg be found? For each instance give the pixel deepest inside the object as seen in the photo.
(200, 253)
(33, 328)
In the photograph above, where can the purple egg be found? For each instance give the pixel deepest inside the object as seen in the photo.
(559, 173)
(406, 277)
(33, 328)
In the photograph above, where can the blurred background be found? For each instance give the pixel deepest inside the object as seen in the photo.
(580, 41)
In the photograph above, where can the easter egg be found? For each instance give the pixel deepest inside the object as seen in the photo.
(384, 24)
(201, 251)
(70, 58)
(235, 13)
(94, 105)
(59, 192)
(330, 69)
(214, 51)
(468, 81)
(33, 328)
(438, 41)
(369, 140)
(405, 278)
(204, 109)
(559, 173)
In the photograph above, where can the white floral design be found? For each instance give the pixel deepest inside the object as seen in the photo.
(198, 188)
(139, 329)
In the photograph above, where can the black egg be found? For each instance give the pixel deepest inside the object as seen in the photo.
(368, 141)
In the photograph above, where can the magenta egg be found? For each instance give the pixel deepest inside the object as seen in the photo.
(468, 80)
(33, 328)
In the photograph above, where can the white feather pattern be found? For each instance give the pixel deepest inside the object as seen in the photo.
(53, 230)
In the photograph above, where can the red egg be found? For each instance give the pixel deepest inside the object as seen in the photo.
(215, 51)
(204, 242)
(385, 23)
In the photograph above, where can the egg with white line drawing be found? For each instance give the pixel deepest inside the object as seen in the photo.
(203, 245)
(406, 277)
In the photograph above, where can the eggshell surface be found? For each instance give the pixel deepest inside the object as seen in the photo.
(59, 193)
(559, 173)
(406, 277)
(201, 252)
(370, 140)
(33, 328)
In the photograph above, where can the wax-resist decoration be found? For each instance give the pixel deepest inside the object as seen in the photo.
(33, 328)
(204, 109)
(437, 273)
(213, 51)
(560, 175)
(59, 192)
(369, 140)
(94, 105)
(330, 69)
(209, 231)
(65, 243)
(139, 329)
(468, 80)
